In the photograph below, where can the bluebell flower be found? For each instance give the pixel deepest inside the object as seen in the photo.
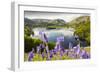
(51, 54)
(43, 55)
(40, 32)
(57, 47)
(43, 36)
(30, 56)
(54, 51)
(60, 39)
(47, 49)
(61, 53)
(42, 46)
(85, 55)
(76, 49)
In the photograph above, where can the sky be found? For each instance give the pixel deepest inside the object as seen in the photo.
(52, 15)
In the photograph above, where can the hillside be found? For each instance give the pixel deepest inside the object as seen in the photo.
(43, 22)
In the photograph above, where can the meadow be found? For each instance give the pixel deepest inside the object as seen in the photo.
(57, 40)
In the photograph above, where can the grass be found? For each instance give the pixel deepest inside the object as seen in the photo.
(88, 49)
(25, 56)
(55, 26)
(38, 57)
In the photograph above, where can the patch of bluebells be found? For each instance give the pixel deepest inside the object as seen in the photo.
(31, 55)
(73, 52)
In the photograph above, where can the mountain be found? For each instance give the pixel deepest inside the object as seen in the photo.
(47, 22)
(79, 21)
(56, 22)
(28, 22)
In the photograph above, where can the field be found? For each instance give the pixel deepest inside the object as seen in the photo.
(58, 56)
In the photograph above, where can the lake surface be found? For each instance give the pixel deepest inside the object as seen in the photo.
(52, 35)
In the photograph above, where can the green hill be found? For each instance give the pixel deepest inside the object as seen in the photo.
(82, 28)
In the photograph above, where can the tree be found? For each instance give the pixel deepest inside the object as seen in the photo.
(28, 31)
(83, 31)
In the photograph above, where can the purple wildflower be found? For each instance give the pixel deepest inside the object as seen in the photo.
(60, 39)
(40, 32)
(42, 46)
(54, 51)
(63, 50)
(76, 49)
(47, 49)
(85, 55)
(30, 56)
(43, 37)
(43, 55)
(51, 54)
(61, 53)
(58, 46)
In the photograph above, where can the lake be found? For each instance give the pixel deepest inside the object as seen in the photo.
(52, 35)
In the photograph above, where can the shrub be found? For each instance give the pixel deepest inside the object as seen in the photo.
(51, 45)
(30, 43)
